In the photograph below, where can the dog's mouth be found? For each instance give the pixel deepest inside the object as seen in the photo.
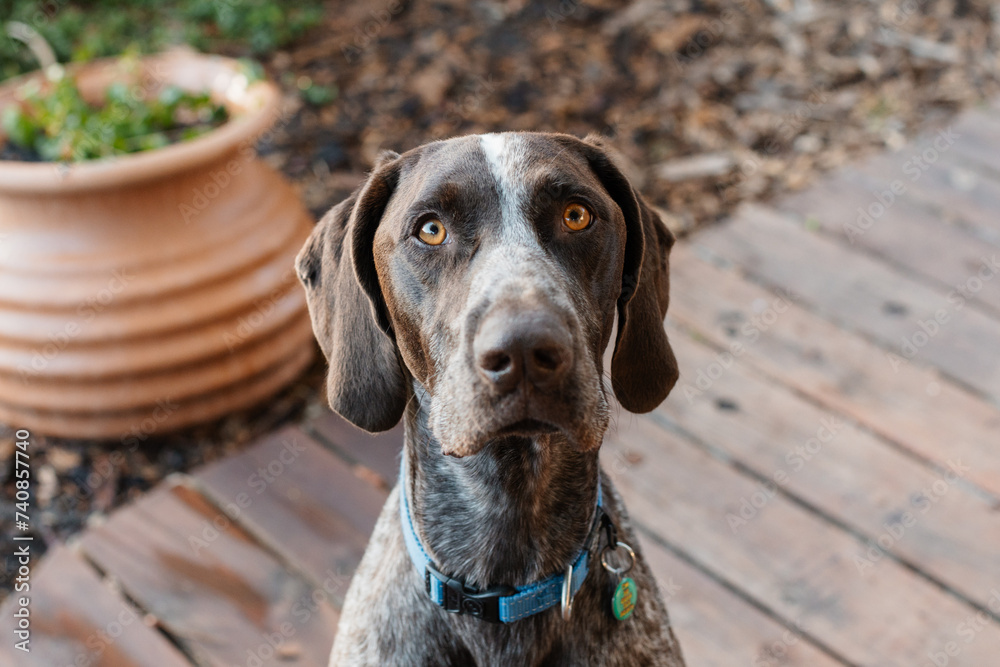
(527, 427)
(572, 412)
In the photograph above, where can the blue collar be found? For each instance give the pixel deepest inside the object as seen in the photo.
(497, 604)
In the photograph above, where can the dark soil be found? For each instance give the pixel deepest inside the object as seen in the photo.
(11, 151)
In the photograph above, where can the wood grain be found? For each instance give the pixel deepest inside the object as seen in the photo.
(378, 453)
(299, 499)
(945, 186)
(926, 516)
(906, 233)
(716, 628)
(226, 599)
(861, 294)
(786, 558)
(908, 404)
(76, 619)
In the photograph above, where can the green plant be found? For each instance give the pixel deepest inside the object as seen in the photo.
(80, 30)
(314, 93)
(59, 125)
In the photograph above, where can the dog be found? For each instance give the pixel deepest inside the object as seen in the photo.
(469, 287)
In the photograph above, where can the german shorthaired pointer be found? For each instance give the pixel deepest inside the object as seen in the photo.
(470, 288)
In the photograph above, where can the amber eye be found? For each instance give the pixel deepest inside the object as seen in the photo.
(433, 232)
(577, 217)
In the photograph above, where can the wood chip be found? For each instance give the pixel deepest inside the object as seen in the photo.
(696, 166)
(63, 459)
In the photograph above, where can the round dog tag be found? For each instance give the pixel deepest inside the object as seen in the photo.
(623, 601)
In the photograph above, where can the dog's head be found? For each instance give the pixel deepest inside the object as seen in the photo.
(489, 269)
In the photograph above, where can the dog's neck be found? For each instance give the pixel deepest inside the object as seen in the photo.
(514, 513)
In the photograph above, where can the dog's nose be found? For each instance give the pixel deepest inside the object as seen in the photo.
(515, 345)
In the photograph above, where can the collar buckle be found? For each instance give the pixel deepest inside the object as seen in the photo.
(457, 598)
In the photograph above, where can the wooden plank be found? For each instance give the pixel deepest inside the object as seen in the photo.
(909, 319)
(909, 405)
(225, 599)
(77, 620)
(978, 138)
(969, 141)
(945, 185)
(788, 559)
(716, 628)
(715, 634)
(301, 500)
(377, 452)
(929, 518)
(905, 232)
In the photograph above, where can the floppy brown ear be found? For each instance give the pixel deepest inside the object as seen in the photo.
(643, 366)
(366, 382)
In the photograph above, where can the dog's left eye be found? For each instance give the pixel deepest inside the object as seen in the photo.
(432, 232)
(577, 217)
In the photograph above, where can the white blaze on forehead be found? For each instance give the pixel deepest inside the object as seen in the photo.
(517, 265)
(507, 157)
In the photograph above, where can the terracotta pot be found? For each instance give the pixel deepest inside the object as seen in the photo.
(147, 292)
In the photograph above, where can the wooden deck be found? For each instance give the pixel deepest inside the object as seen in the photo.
(815, 492)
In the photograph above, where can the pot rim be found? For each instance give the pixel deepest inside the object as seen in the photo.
(255, 108)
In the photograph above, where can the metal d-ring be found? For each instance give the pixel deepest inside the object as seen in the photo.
(617, 570)
(567, 593)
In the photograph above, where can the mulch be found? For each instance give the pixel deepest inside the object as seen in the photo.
(709, 103)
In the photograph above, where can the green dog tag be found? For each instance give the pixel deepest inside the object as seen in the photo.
(623, 602)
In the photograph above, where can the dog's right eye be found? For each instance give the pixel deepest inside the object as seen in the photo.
(432, 232)
(577, 217)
